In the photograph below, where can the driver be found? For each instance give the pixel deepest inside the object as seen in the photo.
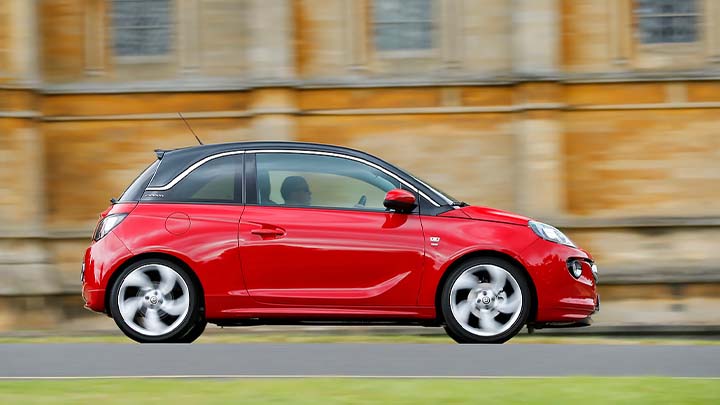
(295, 191)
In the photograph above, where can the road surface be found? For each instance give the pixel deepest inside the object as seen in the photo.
(362, 360)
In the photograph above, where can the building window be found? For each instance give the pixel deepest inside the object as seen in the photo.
(141, 27)
(667, 21)
(402, 25)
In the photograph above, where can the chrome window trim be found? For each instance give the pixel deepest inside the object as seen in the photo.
(191, 168)
(199, 163)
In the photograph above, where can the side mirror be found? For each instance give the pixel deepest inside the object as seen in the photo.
(399, 200)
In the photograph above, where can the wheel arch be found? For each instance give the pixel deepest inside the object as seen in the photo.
(154, 255)
(478, 254)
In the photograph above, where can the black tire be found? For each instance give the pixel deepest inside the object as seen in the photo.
(195, 331)
(187, 330)
(461, 335)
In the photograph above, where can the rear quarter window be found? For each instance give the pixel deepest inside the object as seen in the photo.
(137, 188)
(216, 181)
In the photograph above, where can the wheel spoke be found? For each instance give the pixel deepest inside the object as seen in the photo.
(138, 279)
(466, 282)
(168, 278)
(509, 306)
(498, 277)
(463, 312)
(489, 324)
(176, 307)
(152, 321)
(130, 307)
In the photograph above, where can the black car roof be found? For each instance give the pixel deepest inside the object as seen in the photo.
(202, 151)
(175, 161)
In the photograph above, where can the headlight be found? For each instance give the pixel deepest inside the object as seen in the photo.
(107, 225)
(549, 232)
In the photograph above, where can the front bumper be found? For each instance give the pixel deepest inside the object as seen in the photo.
(561, 298)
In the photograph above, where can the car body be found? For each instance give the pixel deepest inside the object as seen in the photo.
(286, 232)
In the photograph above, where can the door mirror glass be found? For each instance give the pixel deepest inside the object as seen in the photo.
(400, 200)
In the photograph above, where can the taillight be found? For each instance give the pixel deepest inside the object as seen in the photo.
(107, 224)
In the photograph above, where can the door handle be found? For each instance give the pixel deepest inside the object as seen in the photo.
(267, 232)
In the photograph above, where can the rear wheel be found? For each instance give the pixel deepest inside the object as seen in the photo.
(156, 301)
(485, 300)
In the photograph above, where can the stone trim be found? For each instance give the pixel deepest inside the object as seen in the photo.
(515, 108)
(20, 114)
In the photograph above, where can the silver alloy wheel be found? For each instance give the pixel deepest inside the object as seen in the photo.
(153, 299)
(486, 298)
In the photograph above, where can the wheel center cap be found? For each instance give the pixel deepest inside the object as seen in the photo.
(486, 300)
(153, 300)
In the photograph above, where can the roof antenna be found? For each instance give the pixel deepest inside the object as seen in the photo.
(190, 128)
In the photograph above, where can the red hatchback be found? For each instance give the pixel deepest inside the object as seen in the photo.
(283, 232)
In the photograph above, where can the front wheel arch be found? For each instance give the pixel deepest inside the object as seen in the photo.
(154, 255)
(477, 254)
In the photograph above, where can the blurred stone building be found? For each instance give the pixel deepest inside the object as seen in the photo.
(600, 116)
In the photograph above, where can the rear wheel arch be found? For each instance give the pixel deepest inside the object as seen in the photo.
(154, 255)
(478, 254)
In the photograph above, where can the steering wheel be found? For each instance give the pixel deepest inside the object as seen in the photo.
(361, 202)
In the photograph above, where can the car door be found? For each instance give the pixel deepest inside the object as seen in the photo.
(318, 234)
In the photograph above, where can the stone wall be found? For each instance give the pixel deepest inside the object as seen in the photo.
(548, 108)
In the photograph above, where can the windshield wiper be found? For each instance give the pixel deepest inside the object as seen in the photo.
(459, 204)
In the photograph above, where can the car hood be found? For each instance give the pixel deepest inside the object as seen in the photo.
(487, 214)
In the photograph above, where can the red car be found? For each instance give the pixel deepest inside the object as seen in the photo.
(284, 232)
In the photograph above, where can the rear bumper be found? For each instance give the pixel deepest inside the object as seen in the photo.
(561, 298)
(101, 259)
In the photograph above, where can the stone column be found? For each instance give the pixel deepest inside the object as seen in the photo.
(273, 112)
(188, 36)
(270, 40)
(711, 17)
(271, 59)
(536, 36)
(452, 34)
(538, 129)
(356, 36)
(23, 43)
(95, 28)
(539, 177)
(24, 261)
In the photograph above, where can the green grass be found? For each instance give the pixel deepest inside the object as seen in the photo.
(584, 390)
(300, 337)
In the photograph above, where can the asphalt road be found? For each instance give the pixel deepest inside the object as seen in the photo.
(367, 360)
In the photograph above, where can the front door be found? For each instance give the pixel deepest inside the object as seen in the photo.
(319, 235)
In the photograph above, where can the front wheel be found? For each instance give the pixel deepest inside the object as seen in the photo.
(485, 300)
(156, 301)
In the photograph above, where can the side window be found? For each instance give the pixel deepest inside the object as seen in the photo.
(217, 180)
(293, 179)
